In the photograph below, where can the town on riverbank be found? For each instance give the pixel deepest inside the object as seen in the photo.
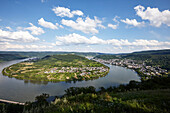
(78, 71)
(145, 71)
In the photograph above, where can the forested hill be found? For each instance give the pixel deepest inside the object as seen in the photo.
(44, 53)
(153, 52)
(134, 54)
(8, 57)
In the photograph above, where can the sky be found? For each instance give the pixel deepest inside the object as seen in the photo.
(107, 26)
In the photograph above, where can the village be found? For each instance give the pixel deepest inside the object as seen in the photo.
(83, 71)
(139, 66)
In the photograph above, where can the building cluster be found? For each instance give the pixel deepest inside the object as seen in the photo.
(82, 70)
(136, 65)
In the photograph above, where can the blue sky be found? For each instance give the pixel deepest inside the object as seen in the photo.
(109, 26)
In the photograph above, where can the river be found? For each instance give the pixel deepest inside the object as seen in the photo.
(22, 91)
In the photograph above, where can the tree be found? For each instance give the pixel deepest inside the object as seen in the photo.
(41, 99)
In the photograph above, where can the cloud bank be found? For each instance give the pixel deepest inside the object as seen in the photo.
(76, 39)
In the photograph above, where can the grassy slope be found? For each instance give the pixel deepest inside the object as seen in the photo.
(146, 96)
(106, 102)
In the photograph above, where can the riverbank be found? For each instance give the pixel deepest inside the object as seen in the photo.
(16, 88)
(144, 71)
(57, 68)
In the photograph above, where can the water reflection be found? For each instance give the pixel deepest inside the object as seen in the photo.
(36, 82)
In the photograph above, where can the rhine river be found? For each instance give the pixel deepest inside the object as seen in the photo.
(22, 91)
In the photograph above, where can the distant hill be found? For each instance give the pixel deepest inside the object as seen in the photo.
(153, 52)
(142, 55)
(44, 53)
(8, 57)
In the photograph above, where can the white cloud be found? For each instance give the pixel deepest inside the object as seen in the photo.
(42, 1)
(62, 12)
(46, 24)
(9, 28)
(142, 42)
(72, 39)
(76, 39)
(80, 42)
(87, 26)
(116, 42)
(114, 26)
(35, 30)
(115, 19)
(133, 22)
(19, 28)
(19, 36)
(156, 17)
(61, 26)
(77, 12)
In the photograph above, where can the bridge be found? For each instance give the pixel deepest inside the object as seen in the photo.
(10, 102)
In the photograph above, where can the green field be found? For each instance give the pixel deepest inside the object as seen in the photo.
(57, 68)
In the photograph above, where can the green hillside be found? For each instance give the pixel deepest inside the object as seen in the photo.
(8, 57)
(153, 52)
(57, 68)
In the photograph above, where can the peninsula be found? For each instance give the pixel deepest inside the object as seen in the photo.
(57, 68)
